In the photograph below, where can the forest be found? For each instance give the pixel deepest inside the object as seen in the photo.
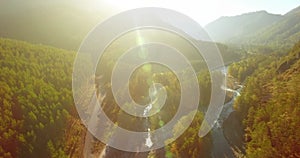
(35, 98)
(269, 105)
(260, 117)
(38, 115)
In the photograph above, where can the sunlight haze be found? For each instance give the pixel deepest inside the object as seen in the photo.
(202, 11)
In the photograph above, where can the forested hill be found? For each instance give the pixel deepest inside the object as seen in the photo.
(270, 104)
(35, 99)
(258, 28)
(284, 32)
(226, 29)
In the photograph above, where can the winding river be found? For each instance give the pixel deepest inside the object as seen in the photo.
(222, 147)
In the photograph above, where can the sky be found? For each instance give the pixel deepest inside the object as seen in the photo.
(203, 11)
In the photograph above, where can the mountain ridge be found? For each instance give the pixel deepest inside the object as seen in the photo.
(284, 32)
(227, 28)
(258, 28)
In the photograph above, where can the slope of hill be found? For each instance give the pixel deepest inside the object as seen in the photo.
(35, 99)
(286, 31)
(269, 105)
(58, 23)
(226, 29)
(258, 28)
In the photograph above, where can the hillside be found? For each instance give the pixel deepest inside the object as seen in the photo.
(286, 31)
(56, 23)
(35, 99)
(258, 29)
(226, 29)
(260, 117)
(38, 116)
(269, 105)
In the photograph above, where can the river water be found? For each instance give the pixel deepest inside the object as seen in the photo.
(221, 146)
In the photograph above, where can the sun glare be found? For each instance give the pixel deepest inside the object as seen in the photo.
(201, 11)
(125, 4)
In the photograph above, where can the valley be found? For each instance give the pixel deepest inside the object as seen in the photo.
(38, 116)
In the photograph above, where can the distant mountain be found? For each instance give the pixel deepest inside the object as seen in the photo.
(286, 31)
(228, 29)
(258, 28)
(64, 24)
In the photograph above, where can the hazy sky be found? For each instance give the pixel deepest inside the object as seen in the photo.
(203, 11)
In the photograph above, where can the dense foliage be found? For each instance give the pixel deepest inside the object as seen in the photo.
(270, 104)
(189, 143)
(241, 70)
(35, 99)
(37, 112)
